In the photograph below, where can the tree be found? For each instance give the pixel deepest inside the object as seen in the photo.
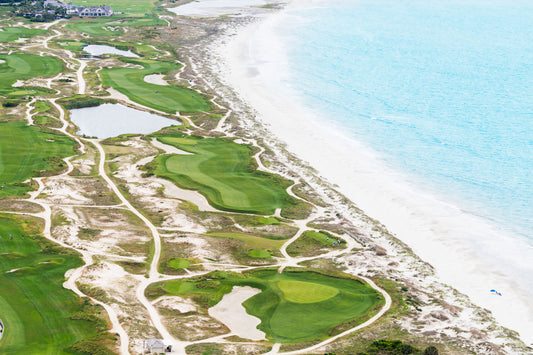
(431, 350)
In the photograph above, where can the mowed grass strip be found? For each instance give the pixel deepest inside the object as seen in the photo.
(36, 310)
(224, 172)
(29, 151)
(11, 34)
(294, 306)
(170, 99)
(111, 26)
(25, 66)
(125, 6)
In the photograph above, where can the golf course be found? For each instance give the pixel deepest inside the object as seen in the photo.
(40, 316)
(24, 66)
(29, 151)
(170, 99)
(10, 34)
(224, 172)
(294, 306)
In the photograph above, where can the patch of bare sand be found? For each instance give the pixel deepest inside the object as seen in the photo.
(175, 303)
(231, 313)
(156, 79)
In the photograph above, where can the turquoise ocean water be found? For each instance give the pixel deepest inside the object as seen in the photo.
(443, 90)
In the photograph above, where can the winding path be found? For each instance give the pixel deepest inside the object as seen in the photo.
(153, 274)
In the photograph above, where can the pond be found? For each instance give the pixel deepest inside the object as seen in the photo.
(99, 49)
(111, 120)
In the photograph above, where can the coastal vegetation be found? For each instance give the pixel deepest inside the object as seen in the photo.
(170, 99)
(294, 306)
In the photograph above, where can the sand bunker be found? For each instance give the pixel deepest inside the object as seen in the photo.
(156, 79)
(231, 312)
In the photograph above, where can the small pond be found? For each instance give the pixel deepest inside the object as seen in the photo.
(99, 49)
(111, 120)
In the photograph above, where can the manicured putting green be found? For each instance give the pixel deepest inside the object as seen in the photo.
(28, 151)
(11, 34)
(224, 172)
(306, 292)
(25, 66)
(35, 308)
(294, 306)
(130, 82)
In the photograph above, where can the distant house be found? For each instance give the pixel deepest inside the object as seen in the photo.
(73, 10)
(95, 11)
(155, 346)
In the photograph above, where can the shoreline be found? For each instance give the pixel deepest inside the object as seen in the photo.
(253, 58)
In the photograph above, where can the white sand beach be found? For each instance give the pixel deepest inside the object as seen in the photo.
(464, 249)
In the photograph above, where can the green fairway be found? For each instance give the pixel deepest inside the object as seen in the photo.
(111, 26)
(25, 66)
(36, 310)
(124, 6)
(294, 306)
(10, 34)
(130, 82)
(27, 151)
(224, 172)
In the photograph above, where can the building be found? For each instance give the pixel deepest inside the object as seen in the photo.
(155, 346)
(95, 11)
(73, 10)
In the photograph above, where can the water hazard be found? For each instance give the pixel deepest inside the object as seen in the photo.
(111, 120)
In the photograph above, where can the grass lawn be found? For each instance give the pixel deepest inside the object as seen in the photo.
(25, 66)
(111, 26)
(130, 82)
(124, 6)
(313, 243)
(28, 151)
(37, 312)
(224, 172)
(11, 34)
(294, 306)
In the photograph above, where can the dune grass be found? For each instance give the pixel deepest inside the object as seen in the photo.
(313, 243)
(11, 34)
(130, 82)
(251, 240)
(294, 306)
(38, 313)
(24, 66)
(224, 172)
(28, 151)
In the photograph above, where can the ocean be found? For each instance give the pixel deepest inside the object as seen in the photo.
(440, 95)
